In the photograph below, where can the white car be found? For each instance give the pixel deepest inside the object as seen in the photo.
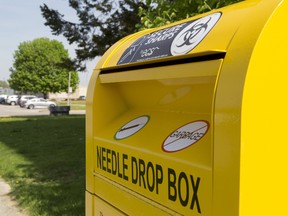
(24, 98)
(39, 103)
(12, 100)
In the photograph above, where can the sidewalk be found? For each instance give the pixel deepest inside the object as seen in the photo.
(8, 207)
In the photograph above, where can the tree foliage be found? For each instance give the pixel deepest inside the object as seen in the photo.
(4, 84)
(104, 22)
(161, 12)
(101, 24)
(42, 65)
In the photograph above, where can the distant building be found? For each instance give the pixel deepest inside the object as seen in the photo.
(6, 91)
(80, 91)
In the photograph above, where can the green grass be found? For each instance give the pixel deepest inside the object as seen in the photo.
(43, 160)
(75, 105)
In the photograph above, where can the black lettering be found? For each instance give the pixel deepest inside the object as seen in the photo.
(183, 135)
(134, 168)
(183, 177)
(195, 196)
(118, 166)
(175, 134)
(103, 158)
(125, 166)
(172, 190)
(151, 168)
(108, 160)
(159, 177)
(142, 172)
(99, 157)
(196, 136)
(114, 163)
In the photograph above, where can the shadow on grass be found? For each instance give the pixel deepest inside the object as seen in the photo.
(43, 159)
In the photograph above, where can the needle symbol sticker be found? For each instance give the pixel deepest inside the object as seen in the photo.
(131, 127)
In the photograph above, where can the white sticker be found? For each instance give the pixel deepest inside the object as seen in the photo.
(131, 127)
(185, 136)
(193, 34)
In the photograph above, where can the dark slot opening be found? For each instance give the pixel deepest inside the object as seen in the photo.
(121, 68)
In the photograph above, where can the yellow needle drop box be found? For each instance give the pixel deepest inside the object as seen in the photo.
(191, 118)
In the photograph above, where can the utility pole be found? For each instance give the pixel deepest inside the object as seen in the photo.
(69, 89)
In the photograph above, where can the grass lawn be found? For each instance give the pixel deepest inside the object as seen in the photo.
(75, 105)
(43, 160)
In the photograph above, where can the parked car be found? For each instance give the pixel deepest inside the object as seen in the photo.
(2, 100)
(24, 98)
(3, 96)
(82, 97)
(39, 103)
(12, 100)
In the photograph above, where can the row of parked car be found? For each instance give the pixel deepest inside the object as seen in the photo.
(27, 101)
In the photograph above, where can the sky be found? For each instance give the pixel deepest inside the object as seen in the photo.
(21, 20)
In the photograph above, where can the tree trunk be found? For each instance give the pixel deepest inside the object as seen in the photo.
(46, 95)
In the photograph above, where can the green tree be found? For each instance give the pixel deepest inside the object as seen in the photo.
(4, 84)
(160, 12)
(42, 65)
(101, 24)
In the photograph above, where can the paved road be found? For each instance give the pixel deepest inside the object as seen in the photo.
(8, 110)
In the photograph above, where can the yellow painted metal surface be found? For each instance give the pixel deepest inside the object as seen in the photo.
(265, 104)
(89, 204)
(135, 161)
(196, 129)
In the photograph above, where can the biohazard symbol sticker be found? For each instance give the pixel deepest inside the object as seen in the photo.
(174, 40)
(185, 136)
(193, 34)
